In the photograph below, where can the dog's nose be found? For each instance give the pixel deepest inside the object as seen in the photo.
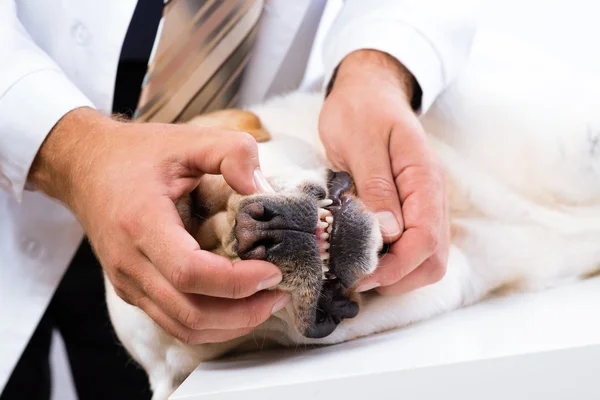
(271, 228)
(254, 233)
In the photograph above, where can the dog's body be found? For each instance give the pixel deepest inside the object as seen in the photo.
(524, 186)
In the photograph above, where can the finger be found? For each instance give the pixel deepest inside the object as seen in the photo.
(233, 314)
(185, 334)
(422, 192)
(403, 257)
(163, 239)
(203, 312)
(401, 270)
(371, 168)
(431, 271)
(420, 183)
(232, 154)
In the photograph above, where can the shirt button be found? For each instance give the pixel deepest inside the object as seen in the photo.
(33, 248)
(80, 33)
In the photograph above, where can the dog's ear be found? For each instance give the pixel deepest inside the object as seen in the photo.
(235, 120)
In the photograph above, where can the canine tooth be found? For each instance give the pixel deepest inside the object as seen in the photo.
(325, 245)
(324, 268)
(322, 225)
(329, 230)
(324, 202)
(329, 220)
(324, 236)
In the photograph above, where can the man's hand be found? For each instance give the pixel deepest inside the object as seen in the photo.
(369, 129)
(121, 181)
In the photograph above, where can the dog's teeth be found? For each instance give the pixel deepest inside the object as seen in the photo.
(329, 220)
(323, 213)
(324, 203)
(324, 236)
(324, 268)
(329, 230)
(324, 256)
(322, 225)
(325, 245)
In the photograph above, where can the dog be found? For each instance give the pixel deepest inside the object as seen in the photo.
(523, 172)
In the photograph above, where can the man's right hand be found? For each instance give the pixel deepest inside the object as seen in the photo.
(121, 180)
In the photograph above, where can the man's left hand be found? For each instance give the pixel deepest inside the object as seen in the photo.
(369, 129)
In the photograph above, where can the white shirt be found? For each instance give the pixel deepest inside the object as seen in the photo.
(57, 55)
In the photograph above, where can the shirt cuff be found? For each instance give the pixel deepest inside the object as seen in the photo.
(28, 112)
(402, 42)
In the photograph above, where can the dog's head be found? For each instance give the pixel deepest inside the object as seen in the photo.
(314, 229)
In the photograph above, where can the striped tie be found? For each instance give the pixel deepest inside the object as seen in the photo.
(201, 53)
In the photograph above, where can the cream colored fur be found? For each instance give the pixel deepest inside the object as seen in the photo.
(521, 147)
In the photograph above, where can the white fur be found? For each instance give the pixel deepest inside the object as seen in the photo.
(522, 153)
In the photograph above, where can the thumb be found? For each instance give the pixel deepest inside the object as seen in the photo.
(234, 155)
(376, 188)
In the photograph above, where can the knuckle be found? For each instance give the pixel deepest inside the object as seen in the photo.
(121, 291)
(184, 336)
(127, 223)
(181, 276)
(377, 187)
(430, 241)
(115, 264)
(236, 291)
(247, 144)
(191, 318)
(182, 272)
(396, 274)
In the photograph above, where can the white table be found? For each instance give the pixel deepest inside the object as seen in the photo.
(542, 345)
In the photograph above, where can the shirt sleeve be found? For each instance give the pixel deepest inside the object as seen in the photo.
(431, 38)
(34, 94)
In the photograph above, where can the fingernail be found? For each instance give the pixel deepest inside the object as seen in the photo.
(270, 282)
(282, 302)
(261, 182)
(388, 223)
(367, 286)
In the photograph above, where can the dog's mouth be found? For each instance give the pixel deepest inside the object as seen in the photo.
(334, 304)
(323, 240)
(341, 247)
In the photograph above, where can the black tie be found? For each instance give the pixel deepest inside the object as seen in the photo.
(135, 54)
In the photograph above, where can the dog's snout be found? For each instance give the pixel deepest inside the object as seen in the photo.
(270, 228)
(254, 231)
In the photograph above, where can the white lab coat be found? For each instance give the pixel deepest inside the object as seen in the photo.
(57, 55)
